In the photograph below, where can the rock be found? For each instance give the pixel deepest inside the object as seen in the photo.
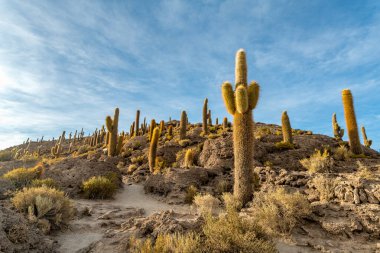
(356, 196)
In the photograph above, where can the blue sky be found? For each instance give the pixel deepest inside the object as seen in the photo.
(65, 65)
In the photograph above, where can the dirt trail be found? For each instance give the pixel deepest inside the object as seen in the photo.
(131, 201)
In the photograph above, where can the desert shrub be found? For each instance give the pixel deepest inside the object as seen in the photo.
(167, 243)
(284, 145)
(318, 162)
(232, 233)
(364, 172)
(22, 177)
(341, 153)
(278, 211)
(48, 182)
(212, 136)
(191, 191)
(223, 185)
(132, 168)
(184, 143)
(206, 204)
(99, 187)
(83, 149)
(138, 159)
(268, 164)
(44, 205)
(160, 163)
(325, 187)
(6, 155)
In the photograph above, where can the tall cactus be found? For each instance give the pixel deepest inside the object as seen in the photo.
(209, 118)
(367, 142)
(137, 122)
(153, 149)
(151, 128)
(112, 127)
(183, 124)
(351, 125)
(286, 128)
(338, 132)
(162, 126)
(240, 104)
(205, 117)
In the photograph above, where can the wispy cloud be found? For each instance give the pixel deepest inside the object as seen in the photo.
(66, 65)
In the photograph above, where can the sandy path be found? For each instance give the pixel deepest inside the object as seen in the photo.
(87, 230)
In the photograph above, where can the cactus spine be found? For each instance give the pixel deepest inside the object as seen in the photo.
(338, 132)
(286, 128)
(205, 117)
(182, 131)
(351, 125)
(112, 127)
(367, 142)
(240, 104)
(153, 149)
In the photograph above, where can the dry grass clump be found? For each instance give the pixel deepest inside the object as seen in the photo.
(341, 153)
(83, 149)
(191, 192)
(223, 234)
(278, 211)
(184, 143)
(364, 172)
(206, 204)
(6, 156)
(222, 186)
(22, 177)
(44, 205)
(99, 187)
(325, 186)
(167, 243)
(284, 145)
(48, 182)
(318, 162)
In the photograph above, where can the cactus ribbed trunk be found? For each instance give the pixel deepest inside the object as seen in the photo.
(243, 156)
(112, 127)
(153, 149)
(286, 128)
(137, 122)
(183, 123)
(205, 117)
(351, 125)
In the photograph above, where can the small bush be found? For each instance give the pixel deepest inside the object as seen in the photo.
(167, 243)
(132, 168)
(138, 159)
(6, 156)
(364, 172)
(99, 187)
(206, 204)
(191, 192)
(318, 162)
(83, 149)
(284, 145)
(325, 186)
(44, 204)
(184, 143)
(48, 182)
(223, 185)
(22, 177)
(278, 212)
(341, 153)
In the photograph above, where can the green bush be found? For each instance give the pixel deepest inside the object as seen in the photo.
(44, 205)
(22, 177)
(99, 187)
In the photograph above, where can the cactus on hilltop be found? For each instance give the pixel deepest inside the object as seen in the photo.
(205, 117)
(337, 130)
(112, 127)
(183, 125)
(367, 142)
(286, 128)
(153, 148)
(240, 103)
(351, 125)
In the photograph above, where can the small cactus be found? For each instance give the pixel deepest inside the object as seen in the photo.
(351, 125)
(189, 158)
(286, 128)
(170, 130)
(153, 149)
(338, 132)
(183, 124)
(112, 127)
(216, 122)
(151, 128)
(225, 123)
(56, 150)
(240, 104)
(205, 117)
(367, 142)
(209, 118)
(162, 126)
